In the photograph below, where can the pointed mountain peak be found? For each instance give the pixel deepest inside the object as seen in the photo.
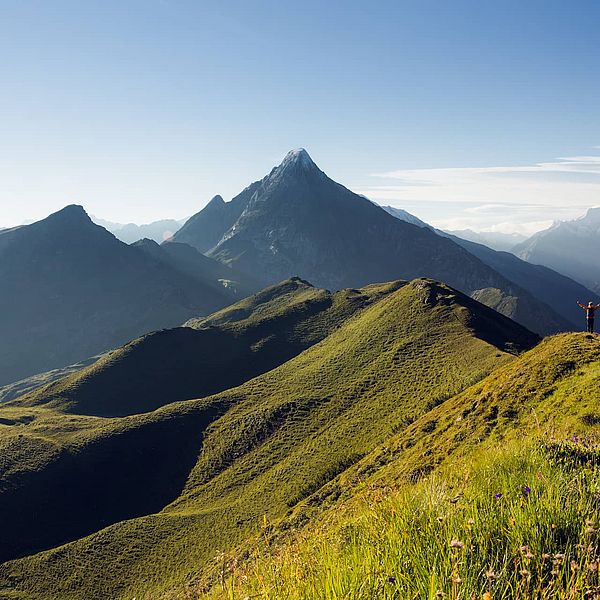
(145, 243)
(73, 214)
(297, 161)
(215, 202)
(298, 156)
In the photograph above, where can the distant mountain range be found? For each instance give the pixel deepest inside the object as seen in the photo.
(495, 240)
(71, 290)
(555, 289)
(297, 221)
(570, 247)
(159, 231)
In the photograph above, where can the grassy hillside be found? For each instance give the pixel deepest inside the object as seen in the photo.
(496, 490)
(262, 448)
(209, 356)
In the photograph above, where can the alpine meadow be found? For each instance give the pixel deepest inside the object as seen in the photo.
(236, 368)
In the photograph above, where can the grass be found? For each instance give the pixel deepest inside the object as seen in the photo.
(388, 367)
(549, 391)
(516, 523)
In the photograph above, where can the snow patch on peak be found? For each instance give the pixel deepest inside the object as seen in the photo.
(300, 157)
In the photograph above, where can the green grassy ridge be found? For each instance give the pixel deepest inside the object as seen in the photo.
(57, 487)
(290, 314)
(211, 355)
(448, 536)
(549, 393)
(552, 389)
(281, 436)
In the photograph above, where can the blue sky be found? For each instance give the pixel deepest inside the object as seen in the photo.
(143, 110)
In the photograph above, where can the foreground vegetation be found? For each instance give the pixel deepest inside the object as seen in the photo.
(398, 387)
(514, 523)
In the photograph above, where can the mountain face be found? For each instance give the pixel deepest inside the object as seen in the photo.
(159, 231)
(569, 247)
(297, 221)
(503, 242)
(556, 290)
(207, 271)
(205, 229)
(375, 360)
(71, 290)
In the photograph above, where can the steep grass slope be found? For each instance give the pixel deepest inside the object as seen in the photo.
(508, 469)
(259, 449)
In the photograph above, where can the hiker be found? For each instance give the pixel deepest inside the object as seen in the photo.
(590, 311)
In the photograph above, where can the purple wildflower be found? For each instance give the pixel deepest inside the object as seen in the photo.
(497, 495)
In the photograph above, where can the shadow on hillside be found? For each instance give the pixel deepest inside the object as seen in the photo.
(119, 475)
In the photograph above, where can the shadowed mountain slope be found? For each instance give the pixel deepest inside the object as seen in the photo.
(205, 229)
(71, 290)
(261, 448)
(297, 221)
(207, 271)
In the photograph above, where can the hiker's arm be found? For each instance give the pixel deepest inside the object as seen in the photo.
(582, 305)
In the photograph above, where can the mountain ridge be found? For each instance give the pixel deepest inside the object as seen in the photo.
(266, 445)
(553, 288)
(71, 290)
(297, 221)
(567, 247)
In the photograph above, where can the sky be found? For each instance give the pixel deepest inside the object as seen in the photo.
(466, 113)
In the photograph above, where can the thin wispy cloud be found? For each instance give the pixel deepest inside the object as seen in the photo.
(523, 198)
(568, 164)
